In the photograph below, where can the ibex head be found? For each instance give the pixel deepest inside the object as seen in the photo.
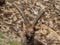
(28, 35)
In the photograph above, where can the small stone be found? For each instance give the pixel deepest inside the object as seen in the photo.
(35, 12)
(41, 5)
(14, 18)
(46, 0)
(7, 13)
(57, 7)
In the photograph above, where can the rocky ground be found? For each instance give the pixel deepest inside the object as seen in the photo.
(48, 27)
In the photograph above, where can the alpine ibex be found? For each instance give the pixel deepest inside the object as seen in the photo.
(27, 36)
